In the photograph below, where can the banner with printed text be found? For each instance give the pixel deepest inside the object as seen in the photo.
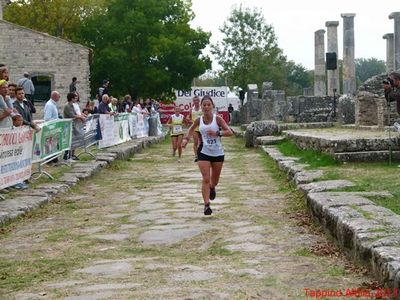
(15, 155)
(114, 130)
(141, 128)
(54, 138)
(219, 95)
(132, 119)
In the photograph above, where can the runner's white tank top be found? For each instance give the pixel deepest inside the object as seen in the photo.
(211, 144)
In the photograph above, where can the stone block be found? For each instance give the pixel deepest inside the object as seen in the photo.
(307, 176)
(321, 186)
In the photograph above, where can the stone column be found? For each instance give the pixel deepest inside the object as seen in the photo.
(389, 37)
(333, 75)
(319, 59)
(349, 64)
(396, 17)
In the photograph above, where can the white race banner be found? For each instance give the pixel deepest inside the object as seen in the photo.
(219, 95)
(132, 119)
(114, 130)
(15, 155)
(141, 127)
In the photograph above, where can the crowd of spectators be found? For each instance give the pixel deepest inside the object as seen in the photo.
(17, 106)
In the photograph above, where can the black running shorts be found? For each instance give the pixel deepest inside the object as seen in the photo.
(202, 156)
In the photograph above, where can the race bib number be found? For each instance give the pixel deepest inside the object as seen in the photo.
(177, 129)
(211, 141)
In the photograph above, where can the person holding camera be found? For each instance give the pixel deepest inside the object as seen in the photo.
(391, 87)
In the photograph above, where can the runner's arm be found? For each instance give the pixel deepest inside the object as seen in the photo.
(226, 131)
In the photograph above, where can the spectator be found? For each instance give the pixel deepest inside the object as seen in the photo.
(5, 109)
(50, 109)
(70, 113)
(72, 86)
(86, 112)
(11, 92)
(230, 111)
(91, 106)
(76, 104)
(21, 105)
(4, 73)
(127, 104)
(29, 88)
(18, 121)
(113, 105)
(103, 106)
(103, 90)
(392, 89)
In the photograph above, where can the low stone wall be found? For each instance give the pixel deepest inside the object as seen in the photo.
(330, 144)
(270, 127)
(364, 230)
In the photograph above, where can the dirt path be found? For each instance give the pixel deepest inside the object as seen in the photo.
(137, 231)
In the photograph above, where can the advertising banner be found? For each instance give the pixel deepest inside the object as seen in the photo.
(132, 119)
(54, 138)
(114, 130)
(141, 127)
(15, 155)
(219, 95)
(85, 133)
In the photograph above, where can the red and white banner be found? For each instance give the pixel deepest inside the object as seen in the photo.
(219, 95)
(15, 155)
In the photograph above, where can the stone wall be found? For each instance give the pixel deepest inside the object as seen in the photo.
(369, 109)
(26, 50)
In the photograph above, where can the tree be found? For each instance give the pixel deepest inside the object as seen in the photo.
(298, 77)
(368, 67)
(146, 47)
(249, 52)
(61, 18)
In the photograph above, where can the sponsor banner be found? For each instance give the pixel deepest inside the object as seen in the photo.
(86, 133)
(141, 126)
(132, 120)
(165, 111)
(159, 125)
(114, 130)
(184, 101)
(15, 155)
(54, 138)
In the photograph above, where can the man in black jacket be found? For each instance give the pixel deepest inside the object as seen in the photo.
(392, 89)
(23, 108)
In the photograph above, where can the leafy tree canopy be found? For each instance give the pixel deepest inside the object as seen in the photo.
(61, 18)
(146, 47)
(249, 53)
(368, 67)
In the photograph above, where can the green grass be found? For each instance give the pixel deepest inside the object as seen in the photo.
(303, 252)
(370, 177)
(336, 271)
(313, 158)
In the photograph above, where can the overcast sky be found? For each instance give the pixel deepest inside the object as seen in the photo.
(295, 22)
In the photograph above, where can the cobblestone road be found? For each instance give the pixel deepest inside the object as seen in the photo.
(137, 231)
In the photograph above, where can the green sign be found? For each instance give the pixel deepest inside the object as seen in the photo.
(54, 138)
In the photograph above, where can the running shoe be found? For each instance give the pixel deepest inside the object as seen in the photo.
(207, 210)
(213, 194)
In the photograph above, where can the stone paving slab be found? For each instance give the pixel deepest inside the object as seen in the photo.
(365, 230)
